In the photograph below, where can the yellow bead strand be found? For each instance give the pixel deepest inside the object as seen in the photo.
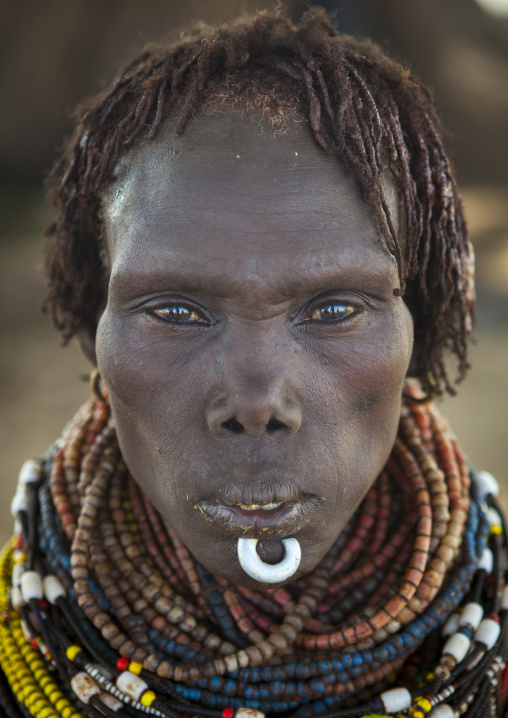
(147, 698)
(23, 667)
(421, 707)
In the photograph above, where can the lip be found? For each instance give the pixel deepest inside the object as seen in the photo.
(275, 523)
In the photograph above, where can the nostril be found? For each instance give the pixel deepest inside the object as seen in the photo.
(233, 425)
(275, 425)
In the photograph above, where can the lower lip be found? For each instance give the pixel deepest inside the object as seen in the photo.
(288, 518)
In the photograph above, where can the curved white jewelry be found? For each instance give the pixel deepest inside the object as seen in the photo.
(265, 572)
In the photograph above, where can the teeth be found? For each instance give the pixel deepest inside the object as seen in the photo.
(265, 507)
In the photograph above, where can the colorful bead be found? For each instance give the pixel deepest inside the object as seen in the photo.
(457, 646)
(485, 484)
(30, 472)
(19, 502)
(420, 708)
(84, 687)
(504, 599)
(488, 633)
(443, 711)
(110, 701)
(72, 651)
(133, 686)
(452, 625)
(17, 599)
(122, 663)
(486, 561)
(31, 586)
(471, 615)
(53, 589)
(423, 703)
(147, 698)
(248, 713)
(403, 565)
(396, 699)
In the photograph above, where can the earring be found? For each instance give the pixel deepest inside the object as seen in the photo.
(410, 398)
(95, 385)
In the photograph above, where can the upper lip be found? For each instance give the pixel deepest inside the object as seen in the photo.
(227, 509)
(266, 491)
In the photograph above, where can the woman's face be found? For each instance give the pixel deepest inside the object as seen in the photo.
(253, 344)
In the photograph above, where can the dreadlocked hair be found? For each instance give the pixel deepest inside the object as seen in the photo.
(361, 107)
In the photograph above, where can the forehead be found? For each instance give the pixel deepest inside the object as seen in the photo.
(231, 188)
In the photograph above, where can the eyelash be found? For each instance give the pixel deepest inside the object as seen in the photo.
(333, 306)
(173, 313)
(176, 319)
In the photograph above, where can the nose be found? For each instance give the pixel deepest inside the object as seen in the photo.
(253, 409)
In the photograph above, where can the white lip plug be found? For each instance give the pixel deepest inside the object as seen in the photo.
(265, 572)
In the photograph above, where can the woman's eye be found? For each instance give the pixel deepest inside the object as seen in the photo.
(332, 312)
(180, 314)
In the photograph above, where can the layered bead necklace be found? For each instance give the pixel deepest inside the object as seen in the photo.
(106, 613)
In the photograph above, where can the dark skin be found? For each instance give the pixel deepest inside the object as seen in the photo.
(254, 344)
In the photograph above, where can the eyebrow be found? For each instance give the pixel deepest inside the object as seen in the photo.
(375, 278)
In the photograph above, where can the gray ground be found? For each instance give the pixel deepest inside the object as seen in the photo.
(41, 384)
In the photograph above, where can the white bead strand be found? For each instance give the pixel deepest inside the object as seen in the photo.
(471, 615)
(451, 626)
(17, 599)
(248, 713)
(486, 561)
(133, 686)
(442, 711)
(486, 484)
(488, 632)
(17, 571)
(457, 646)
(504, 599)
(31, 586)
(84, 687)
(110, 701)
(493, 517)
(30, 472)
(53, 589)
(20, 502)
(396, 699)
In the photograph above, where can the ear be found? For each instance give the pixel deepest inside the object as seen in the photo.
(412, 370)
(410, 299)
(86, 339)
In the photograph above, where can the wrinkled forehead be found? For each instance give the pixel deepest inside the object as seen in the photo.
(237, 145)
(226, 156)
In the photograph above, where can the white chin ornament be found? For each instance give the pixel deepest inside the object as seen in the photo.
(265, 572)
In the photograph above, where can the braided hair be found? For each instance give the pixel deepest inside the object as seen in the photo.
(361, 107)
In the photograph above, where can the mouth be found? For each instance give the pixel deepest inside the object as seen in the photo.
(264, 507)
(270, 520)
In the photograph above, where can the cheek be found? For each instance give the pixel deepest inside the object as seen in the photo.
(368, 367)
(362, 379)
(378, 385)
(141, 368)
(155, 407)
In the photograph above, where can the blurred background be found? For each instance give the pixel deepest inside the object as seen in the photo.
(53, 53)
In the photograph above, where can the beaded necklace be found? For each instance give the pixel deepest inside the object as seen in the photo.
(105, 612)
